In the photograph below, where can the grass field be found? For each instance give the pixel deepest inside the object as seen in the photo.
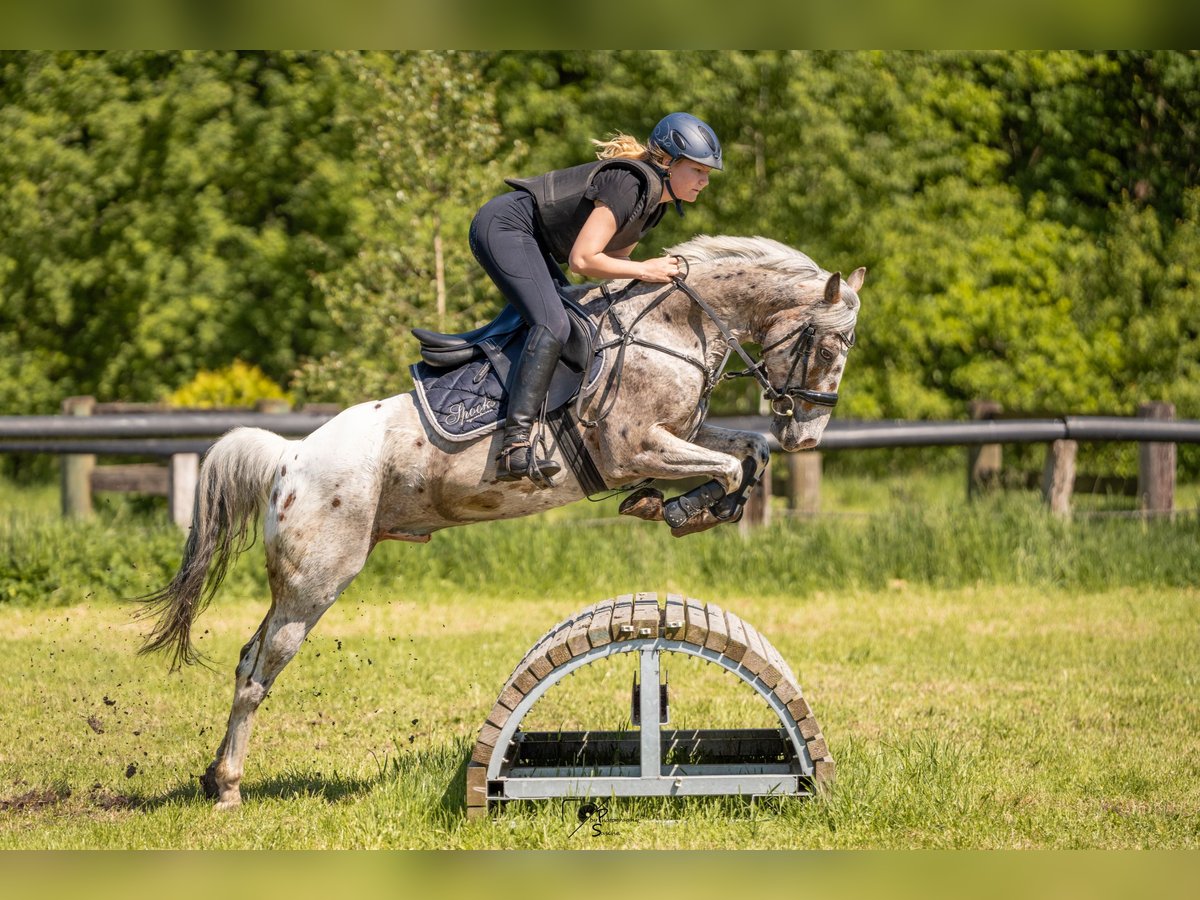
(985, 676)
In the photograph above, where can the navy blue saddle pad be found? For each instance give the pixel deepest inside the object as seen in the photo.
(468, 400)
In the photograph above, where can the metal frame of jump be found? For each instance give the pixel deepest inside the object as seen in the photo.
(511, 764)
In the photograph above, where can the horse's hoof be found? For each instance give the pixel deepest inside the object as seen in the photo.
(702, 522)
(231, 803)
(646, 503)
(208, 783)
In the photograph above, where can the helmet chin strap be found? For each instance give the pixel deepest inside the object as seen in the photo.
(667, 183)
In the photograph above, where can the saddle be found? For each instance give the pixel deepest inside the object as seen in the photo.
(462, 379)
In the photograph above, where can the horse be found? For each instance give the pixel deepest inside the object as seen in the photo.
(378, 470)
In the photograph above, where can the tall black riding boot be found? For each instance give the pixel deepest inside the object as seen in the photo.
(525, 399)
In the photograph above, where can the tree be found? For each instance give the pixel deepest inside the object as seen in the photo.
(164, 213)
(431, 148)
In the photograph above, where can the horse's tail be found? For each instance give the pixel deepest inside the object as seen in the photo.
(237, 471)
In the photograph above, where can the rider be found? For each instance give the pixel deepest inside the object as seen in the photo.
(590, 217)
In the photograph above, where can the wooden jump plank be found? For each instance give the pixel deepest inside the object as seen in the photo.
(787, 691)
(509, 697)
(817, 748)
(755, 658)
(622, 618)
(674, 622)
(770, 672)
(799, 709)
(488, 735)
(577, 637)
(645, 615)
(558, 652)
(824, 771)
(476, 785)
(718, 634)
(735, 647)
(697, 622)
(499, 715)
(777, 661)
(525, 680)
(600, 631)
(809, 728)
(539, 665)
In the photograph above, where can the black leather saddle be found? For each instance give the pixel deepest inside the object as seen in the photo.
(450, 361)
(448, 351)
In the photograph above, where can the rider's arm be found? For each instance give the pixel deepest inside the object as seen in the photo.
(589, 259)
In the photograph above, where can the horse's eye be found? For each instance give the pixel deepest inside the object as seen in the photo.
(827, 354)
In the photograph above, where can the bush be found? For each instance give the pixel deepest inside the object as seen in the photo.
(238, 384)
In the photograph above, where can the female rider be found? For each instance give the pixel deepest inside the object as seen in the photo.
(590, 217)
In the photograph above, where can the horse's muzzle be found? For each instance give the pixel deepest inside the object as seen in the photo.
(796, 434)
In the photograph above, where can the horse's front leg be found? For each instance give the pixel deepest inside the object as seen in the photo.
(753, 451)
(657, 453)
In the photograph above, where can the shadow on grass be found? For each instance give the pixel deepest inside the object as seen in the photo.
(334, 788)
(292, 786)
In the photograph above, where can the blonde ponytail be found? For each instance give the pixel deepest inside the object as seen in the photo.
(624, 146)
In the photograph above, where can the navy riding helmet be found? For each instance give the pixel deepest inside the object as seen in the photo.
(682, 134)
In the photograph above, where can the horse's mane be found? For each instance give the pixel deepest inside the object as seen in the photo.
(793, 265)
(760, 250)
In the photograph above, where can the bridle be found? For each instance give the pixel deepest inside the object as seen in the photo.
(801, 352)
(783, 402)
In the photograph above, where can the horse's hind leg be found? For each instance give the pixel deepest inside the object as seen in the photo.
(301, 591)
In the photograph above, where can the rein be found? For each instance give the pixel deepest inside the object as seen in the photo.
(783, 402)
(805, 335)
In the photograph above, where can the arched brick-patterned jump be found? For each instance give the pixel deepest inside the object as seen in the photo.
(638, 622)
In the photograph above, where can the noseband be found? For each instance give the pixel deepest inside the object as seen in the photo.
(783, 402)
(806, 338)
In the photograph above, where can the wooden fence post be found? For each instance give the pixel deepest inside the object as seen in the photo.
(1058, 477)
(183, 474)
(804, 481)
(1156, 465)
(77, 467)
(758, 504)
(984, 461)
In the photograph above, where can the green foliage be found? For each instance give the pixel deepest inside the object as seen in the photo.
(164, 213)
(1029, 220)
(237, 385)
(430, 148)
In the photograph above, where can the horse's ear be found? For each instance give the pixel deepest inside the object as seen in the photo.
(833, 289)
(857, 277)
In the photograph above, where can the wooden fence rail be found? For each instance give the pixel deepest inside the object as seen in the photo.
(87, 428)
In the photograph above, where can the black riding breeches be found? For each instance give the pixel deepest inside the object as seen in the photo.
(504, 240)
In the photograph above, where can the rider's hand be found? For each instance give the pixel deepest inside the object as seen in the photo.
(660, 270)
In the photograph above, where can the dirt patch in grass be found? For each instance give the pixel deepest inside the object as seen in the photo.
(38, 798)
(98, 797)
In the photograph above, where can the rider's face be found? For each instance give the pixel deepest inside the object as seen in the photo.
(688, 179)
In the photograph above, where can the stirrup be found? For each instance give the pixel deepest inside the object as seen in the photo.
(540, 472)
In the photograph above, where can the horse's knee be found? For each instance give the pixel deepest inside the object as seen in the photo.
(760, 450)
(731, 476)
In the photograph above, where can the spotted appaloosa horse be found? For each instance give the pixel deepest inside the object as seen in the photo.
(377, 471)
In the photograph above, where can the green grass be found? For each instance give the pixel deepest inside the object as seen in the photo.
(985, 675)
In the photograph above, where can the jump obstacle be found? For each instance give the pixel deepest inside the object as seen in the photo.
(510, 764)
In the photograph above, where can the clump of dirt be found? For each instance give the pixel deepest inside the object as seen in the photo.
(39, 798)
